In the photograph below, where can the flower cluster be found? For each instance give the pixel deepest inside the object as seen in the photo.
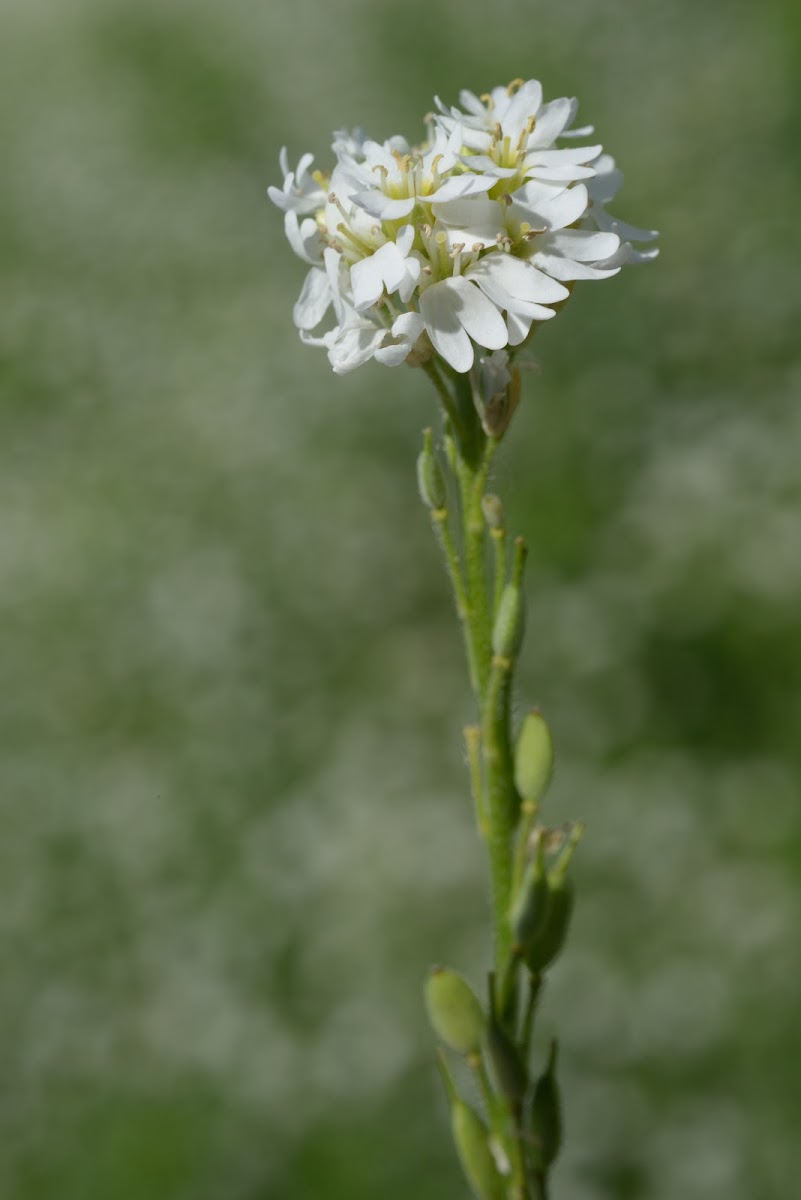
(467, 240)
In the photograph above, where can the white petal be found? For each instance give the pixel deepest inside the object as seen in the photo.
(483, 162)
(562, 174)
(304, 238)
(567, 269)
(581, 244)
(554, 158)
(476, 219)
(478, 315)
(378, 205)
(552, 120)
(314, 299)
(556, 212)
(366, 281)
(413, 268)
(438, 310)
(405, 239)
(525, 103)
(506, 279)
(458, 186)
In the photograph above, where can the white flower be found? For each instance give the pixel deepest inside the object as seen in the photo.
(389, 269)
(357, 336)
(392, 179)
(605, 185)
(301, 192)
(469, 239)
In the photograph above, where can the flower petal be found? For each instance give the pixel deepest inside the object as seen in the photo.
(314, 299)
(438, 310)
(505, 279)
(478, 315)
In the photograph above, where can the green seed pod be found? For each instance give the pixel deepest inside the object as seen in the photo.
(508, 1066)
(454, 1011)
(492, 508)
(546, 1115)
(533, 758)
(531, 904)
(472, 1145)
(430, 479)
(507, 633)
(552, 937)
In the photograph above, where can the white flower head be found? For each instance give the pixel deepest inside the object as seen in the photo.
(458, 247)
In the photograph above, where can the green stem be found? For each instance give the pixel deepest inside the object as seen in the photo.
(442, 532)
(501, 801)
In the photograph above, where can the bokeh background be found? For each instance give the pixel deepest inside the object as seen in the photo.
(234, 830)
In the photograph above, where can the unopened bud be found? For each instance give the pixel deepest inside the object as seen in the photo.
(493, 511)
(546, 1115)
(531, 904)
(471, 1137)
(533, 758)
(507, 633)
(430, 479)
(500, 408)
(454, 1011)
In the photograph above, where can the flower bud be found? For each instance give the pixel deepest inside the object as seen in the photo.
(471, 1137)
(533, 758)
(546, 1115)
(430, 479)
(454, 1011)
(531, 903)
(492, 508)
(501, 407)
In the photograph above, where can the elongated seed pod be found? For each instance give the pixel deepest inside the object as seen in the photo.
(454, 1011)
(551, 939)
(508, 1066)
(546, 1115)
(472, 1145)
(530, 907)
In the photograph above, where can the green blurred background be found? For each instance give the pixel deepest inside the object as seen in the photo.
(234, 830)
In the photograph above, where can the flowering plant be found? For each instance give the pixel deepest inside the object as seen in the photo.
(449, 256)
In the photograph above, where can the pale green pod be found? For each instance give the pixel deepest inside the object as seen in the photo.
(507, 633)
(471, 1137)
(531, 903)
(533, 758)
(546, 1115)
(430, 480)
(552, 937)
(454, 1011)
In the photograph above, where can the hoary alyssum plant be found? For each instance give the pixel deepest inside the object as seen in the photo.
(447, 256)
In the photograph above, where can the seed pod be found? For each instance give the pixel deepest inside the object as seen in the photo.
(559, 909)
(454, 1011)
(472, 1145)
(533, 758)
(546, 1115)
(507, 1064)
(507, 632)
(531, 904)
(554, 930)
(430, 479)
